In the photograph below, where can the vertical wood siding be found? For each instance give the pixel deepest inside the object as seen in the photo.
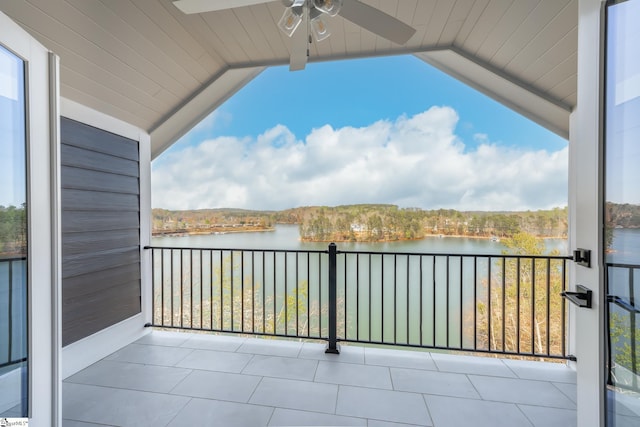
(100, 229)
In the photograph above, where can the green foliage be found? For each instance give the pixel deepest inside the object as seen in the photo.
(621, 349)
(524, 244)
(371, 222)
(13, 230)
(210, 220)
(622, 215)
(389, 222)
(519, 299)
(619, 215)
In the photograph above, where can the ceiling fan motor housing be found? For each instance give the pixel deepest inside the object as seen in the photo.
(330, 7)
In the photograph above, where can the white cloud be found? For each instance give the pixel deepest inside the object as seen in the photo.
(415, 161)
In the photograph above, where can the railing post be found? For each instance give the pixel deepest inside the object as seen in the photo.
(332, 346)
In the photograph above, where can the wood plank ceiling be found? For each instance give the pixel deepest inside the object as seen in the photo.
(141, 60)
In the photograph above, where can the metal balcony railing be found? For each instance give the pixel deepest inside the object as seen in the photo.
(624, 334)
(502, 304)
(13, 315)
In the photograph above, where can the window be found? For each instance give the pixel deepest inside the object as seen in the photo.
(622, 211)
(13, 239)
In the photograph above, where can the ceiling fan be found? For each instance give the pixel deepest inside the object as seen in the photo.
(302, 18)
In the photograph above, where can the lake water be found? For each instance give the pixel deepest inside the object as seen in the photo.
(288, 237)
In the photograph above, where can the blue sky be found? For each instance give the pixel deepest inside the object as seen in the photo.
(359, 125)
(12, 132)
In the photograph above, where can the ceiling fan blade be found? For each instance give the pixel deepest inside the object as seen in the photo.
(198, 6)
(376, 21)
(299, 45)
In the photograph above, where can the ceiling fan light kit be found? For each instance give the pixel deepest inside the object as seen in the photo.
(319, 28)
(291, 19)
(312, 15)
(295, 9)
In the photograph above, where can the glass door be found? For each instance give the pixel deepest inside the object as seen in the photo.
(14, 356)
(622, 211)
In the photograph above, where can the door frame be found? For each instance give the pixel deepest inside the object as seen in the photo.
(609, 404)
(43, 201)
(585, 214)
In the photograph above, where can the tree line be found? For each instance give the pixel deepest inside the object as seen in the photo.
(389, 222)
(379, 222)
(205, 219)
(13, 230)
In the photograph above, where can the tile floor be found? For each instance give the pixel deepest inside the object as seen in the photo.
(181, 379)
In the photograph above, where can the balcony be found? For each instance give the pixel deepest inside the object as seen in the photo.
(178, 379)
(353, 338)
(340, 326)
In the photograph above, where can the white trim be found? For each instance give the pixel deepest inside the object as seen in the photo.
(41, 235)
(491, 82)
(89, 350)
(56, 240)
(194, 110)
(145, 226)
(517, 95)
(80, 354)
(15, 38)
(41, 260)
(96, 119)
(586, 218)
(572, 202)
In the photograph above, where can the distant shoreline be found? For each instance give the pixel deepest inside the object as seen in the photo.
(226, 230)
(230, 230)
(428, 236)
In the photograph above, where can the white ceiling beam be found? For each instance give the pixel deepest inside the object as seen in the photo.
(198, 107)
(508, 90)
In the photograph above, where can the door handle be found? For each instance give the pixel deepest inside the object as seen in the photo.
(621, 302)
(581, 297)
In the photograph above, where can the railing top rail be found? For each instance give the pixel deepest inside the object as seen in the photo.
(425, 254)
(463, 255)
(12, 258)
(305, 251)
(622, 265)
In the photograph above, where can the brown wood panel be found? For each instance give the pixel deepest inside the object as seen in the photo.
(75, 265)
(101, 230)
(83, 200)
(78, 157)
(74, 221)
(86, 179)
(84, 136)
(95, 241)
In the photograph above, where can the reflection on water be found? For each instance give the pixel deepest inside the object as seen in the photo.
(625, 247)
